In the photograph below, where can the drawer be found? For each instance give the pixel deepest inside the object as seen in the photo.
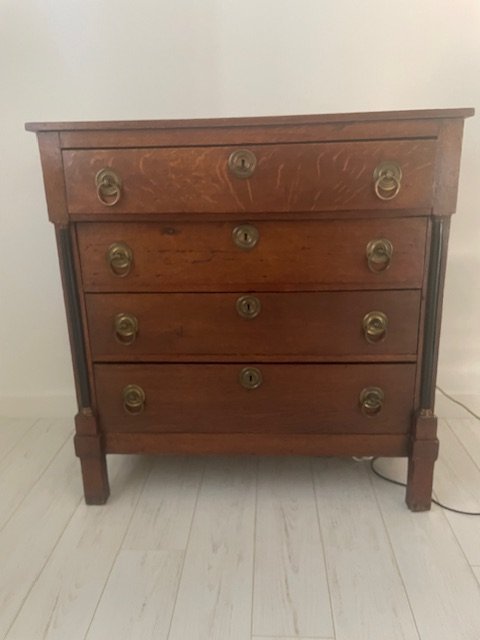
(309, 324)
(328, 176)
(289, 398)
(285, 255)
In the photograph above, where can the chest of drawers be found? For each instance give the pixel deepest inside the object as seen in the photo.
(255, 286)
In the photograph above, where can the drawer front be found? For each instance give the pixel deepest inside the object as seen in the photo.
(291, 398)
(286, 177)
(287, 255)
(129, 326)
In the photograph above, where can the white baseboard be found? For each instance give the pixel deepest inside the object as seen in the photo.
(54, 406)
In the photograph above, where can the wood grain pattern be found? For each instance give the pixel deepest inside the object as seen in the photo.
(290, 593)
(362, 570)
(292, 398)
(427, 114)
(214, 599)
(299, 324)
(200, 256)
(11, 431)
(435, 572)
(457, 483)
(63, 600)
(29, 537)
(294, 177)
(268, 444)
(163, 515)
(20, 468)
(53, 176)
(146, 581)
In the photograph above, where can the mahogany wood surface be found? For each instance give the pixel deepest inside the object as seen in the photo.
(301, 255)
(313, 202)
(303, 398)
(295, 177)
(309, 444)
(296, 323)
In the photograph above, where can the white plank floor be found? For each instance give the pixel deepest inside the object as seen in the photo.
(235, 548)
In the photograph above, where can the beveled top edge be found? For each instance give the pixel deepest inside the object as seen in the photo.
(341, 118)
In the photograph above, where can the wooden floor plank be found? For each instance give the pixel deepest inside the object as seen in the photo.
(442, 589)
(215, 593)
(468, 433)
(476, 571)
(289, 638)
(368, 597)
(30, 536)
(164, 512)
(11, 431)
(63, 599)
(291, 595)
(457, 484)
(145, 582)
(25, 462)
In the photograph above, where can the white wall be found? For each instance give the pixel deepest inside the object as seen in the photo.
(124, 59)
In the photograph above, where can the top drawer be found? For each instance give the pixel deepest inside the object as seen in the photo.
(328, 176)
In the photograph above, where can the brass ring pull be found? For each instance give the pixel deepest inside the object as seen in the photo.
(371, 400)
(133, 399)
(250, 378)
(126, 328)
(242, 163)
(248, 307)
(245, 236)
(120, 259)
(375, 325)
(379, 254)
(388, 180)
(109, 187)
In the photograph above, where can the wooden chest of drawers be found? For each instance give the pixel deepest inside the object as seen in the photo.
(259, 286)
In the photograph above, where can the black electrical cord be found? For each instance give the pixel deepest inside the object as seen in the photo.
(402, 484)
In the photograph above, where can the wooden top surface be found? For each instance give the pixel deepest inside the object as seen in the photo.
(341, 118)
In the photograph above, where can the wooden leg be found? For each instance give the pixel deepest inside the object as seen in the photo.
(94, 468)
(421, 461)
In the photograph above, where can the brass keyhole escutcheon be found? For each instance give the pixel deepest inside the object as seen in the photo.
(387, 180)
(248, 307)
(245, 236)
(126, 328)
(379, 254)
(109, 187)
(133, 399)
(371, 400)
(250, 378)
(375, 325)
(242, 163)
(120, 259)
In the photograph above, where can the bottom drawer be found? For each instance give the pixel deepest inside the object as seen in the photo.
(258, 398)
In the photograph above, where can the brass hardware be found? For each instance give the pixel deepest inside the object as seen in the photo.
(245, 236)
(379, 254)
(250, 377)
(248, 307)
(109, 187)
(371, 400)
(388, 179)
(375, 326)
(126, 328)
(133, 399)
(242, 163)
(120, 259)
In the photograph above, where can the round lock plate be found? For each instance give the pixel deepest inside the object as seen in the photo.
(242, 163)
(248, 307)
(245, 236)
(250, 377)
